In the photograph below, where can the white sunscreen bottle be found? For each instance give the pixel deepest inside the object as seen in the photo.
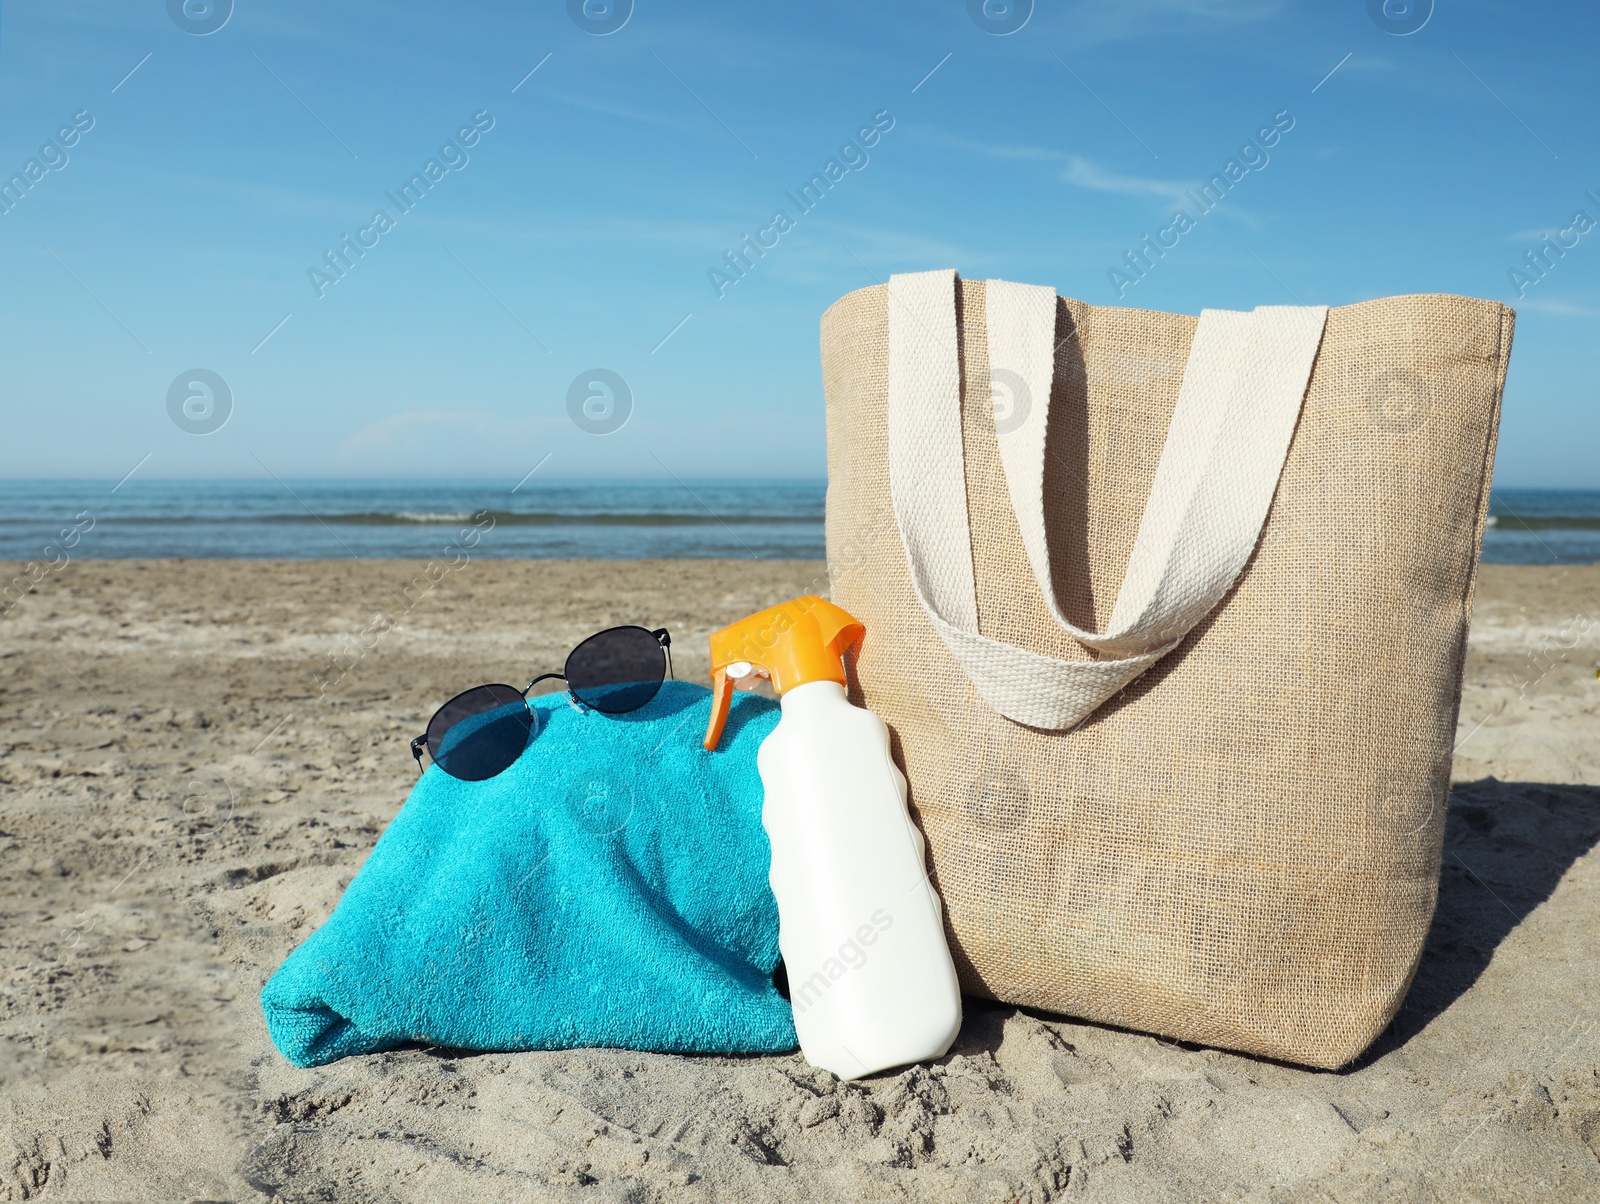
(859, 923)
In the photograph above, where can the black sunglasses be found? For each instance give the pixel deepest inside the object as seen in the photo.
(481, 731)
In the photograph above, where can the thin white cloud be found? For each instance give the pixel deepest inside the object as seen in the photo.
(1563, 309)
(1086, 174)
(888, 243)
(1077, 170)
(1222, 11)
(609, 108)
(1093, 23)
(406, 431)
(1000, 150)
(421, 431)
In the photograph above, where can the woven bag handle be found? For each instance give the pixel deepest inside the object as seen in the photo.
(1236, 411)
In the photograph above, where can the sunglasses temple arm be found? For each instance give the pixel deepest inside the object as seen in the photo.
(416, 750)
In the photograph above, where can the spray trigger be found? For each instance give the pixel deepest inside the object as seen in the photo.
(800, 641)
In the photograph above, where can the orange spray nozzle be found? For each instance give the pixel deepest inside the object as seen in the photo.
(800, 641)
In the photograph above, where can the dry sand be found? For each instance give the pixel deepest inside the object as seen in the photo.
(179, 807)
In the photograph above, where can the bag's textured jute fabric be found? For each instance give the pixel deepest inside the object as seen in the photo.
(1242, 849)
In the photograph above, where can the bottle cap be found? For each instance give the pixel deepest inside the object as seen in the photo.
(800, 641)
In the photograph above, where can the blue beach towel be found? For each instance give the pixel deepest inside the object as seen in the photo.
(610, 888)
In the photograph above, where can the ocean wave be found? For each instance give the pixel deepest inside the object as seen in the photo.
(1545, 522)
(507, 518)
(411, 516)
(651, 518)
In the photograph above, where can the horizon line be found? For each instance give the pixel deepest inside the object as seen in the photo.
(488, 478)
(574, 479)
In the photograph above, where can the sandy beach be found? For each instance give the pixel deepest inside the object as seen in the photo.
(197, 756)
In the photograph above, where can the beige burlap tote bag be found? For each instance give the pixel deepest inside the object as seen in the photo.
(1167, 618)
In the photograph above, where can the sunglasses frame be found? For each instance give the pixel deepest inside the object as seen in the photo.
(661, 635)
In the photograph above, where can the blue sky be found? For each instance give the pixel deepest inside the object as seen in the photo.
(580, 231)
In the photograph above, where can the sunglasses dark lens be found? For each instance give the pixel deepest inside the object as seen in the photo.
(480, 733)
(617, 670)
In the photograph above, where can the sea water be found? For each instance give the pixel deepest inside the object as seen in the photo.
(1543, 526)
(610, 520)
(329, 520)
